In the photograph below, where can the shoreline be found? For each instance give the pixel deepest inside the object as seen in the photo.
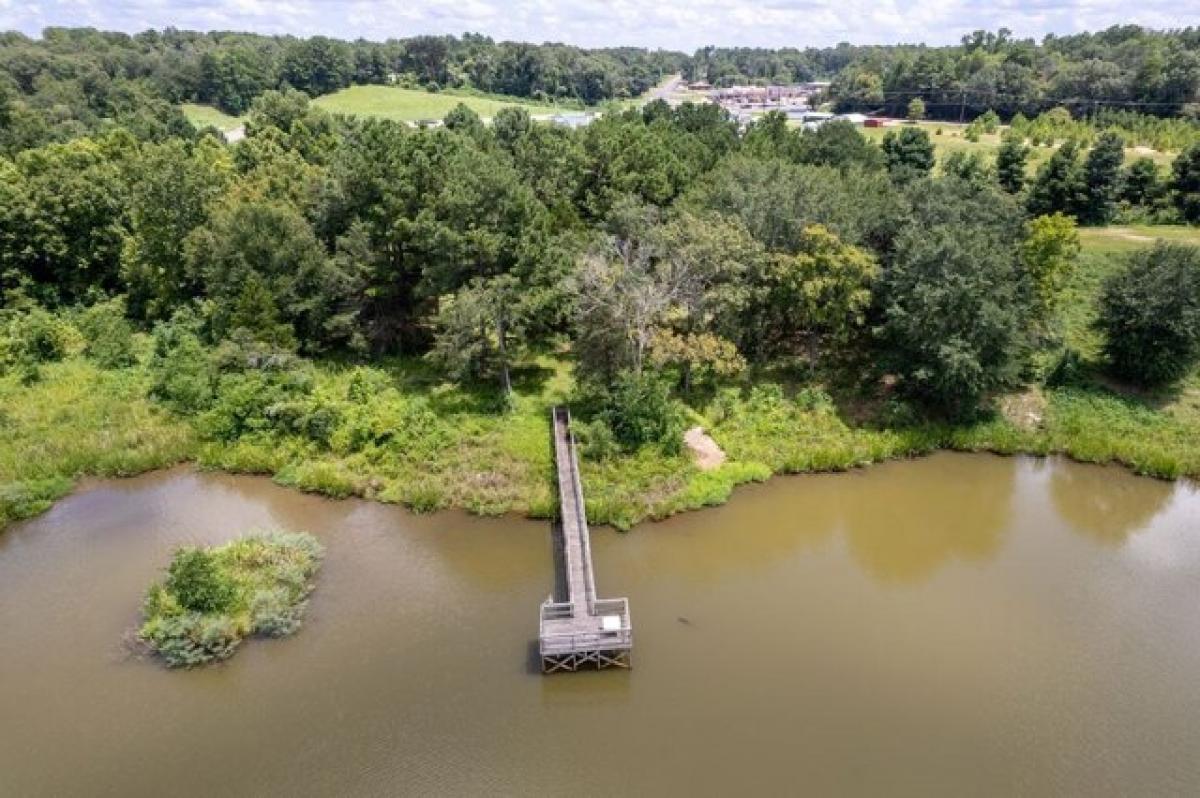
(90, 482)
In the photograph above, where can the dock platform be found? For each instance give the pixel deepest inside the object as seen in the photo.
(578, 630)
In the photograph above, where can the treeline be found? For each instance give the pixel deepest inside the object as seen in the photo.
(74, 81)
(671, 251)
(728, 66)
(1123, 67)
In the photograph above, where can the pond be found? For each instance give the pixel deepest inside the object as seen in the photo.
(958, 624)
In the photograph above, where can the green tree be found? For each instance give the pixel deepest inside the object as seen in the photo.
(62, 210)
(1185, 183)
(769, 136)
(1060, 185)
(955, 301)
(970, 167)
(1102, 172)
(1010, 163)
(172, 189)
(916, 110)
(463, 120)
(776, 201)
(255, 312)
(479, 330)
(267, 243)
(1150, 314)
(908, 153)
(814, 300)
(700, 356)
(317, 66)
(1142, 185)
(839, 143)
(1048, 253)
(181, 373)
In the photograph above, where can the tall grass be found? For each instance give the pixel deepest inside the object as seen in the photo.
(76, 421)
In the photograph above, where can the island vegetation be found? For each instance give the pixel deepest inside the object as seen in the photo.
(214, 598)
(358, 307)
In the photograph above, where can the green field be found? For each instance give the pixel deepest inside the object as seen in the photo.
(952, 138)
(411, 105)
(206, 116)
(1126, 238)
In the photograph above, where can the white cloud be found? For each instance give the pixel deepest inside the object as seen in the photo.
(673, 24)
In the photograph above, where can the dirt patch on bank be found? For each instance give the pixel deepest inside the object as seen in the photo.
(706, 451)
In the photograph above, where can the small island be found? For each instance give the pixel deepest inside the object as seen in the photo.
(215, 597)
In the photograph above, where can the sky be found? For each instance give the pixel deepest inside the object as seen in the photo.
(671, 24)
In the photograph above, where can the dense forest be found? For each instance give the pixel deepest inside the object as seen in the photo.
(681, 264)
(72, 81)
(1124, 67)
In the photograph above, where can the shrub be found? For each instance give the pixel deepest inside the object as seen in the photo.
(33, 336)
(639, 410)
(596, 440)
(197, 583)
(366, 383)
(185, 641)
(181, 372)
(272, 614)
(108, 335)
(1150, 314)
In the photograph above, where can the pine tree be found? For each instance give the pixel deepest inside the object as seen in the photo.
(1010, 164)
(1102, 172)
(1060, 185)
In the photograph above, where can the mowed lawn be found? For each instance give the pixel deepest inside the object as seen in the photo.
(1126, 238)
(206, 116)
(411, 105)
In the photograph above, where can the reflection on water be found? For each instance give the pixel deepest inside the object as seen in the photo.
(948, 626)
(1103, 505)
(898, 536)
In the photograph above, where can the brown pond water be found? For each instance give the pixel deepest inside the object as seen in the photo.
(958, 625)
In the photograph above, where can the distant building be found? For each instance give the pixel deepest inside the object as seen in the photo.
(700, 85)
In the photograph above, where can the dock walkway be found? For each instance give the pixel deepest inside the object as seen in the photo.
(576, 629)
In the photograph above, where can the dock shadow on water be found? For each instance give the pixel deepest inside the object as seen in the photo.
(946, 626)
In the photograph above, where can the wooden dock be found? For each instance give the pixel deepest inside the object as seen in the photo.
(578, 630)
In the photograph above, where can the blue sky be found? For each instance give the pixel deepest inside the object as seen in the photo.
(674, 24)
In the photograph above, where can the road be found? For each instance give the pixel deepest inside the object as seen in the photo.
(664, 91)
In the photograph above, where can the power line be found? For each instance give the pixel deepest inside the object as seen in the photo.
(952, 93)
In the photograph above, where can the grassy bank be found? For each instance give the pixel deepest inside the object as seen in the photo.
(79, 420)
(398, 432)
(214, 598)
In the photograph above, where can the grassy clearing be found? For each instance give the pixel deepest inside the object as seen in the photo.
(1127, 238)
(411, 105)
(214, 598)
(949, 137)
(206, 116)
(79, 420)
